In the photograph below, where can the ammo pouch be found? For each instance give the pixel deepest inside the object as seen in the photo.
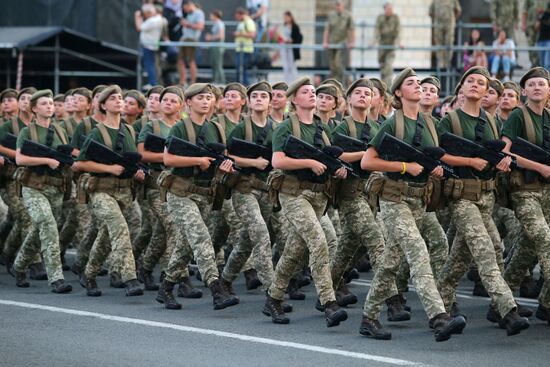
(181, 186)
(291, 185)
(108, 185)
(502, 182)
(151, 180)
(434, 194)
(351, 188)
(274, 183)
(519, 182)
(26, 177)
(246, 183)
(374, 186)
(469, 189)
(395, 191)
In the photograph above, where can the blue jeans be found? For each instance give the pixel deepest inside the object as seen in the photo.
(242, 63)
(506, 65)
(544, 56)
(149, 64)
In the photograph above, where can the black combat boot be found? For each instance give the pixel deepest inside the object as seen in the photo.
(543, 313)
(37, 272)
(350, 274)
(187, 290)
(251, 279)
(304, 278)
(92, 290)
(59, 286)
(444, 326)
(20, 278)
(363, 266)
(513, 323)
(166, 297)
(396, 312)
(479, 290)
(528, 288)
(115, 281)
(220, 297)
(146, 277)
(456, 311)
(228, 287)
(344, 297)
(293, 291)
(404, 301)
(287, 307)
(133, 288)
(373, 329)
(524, 311)
(76, 269)
(334, 315)
(273, 308)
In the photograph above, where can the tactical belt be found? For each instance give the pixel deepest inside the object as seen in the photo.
(109, 185)
(151, 180)
(291, 185)
(351, 188)
(518, 182)
(395, 191)
(35, 181)
(8, 170)
(182, 186)
(469, 189)
(246, 183)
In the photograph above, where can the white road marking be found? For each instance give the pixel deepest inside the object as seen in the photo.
(222, 334)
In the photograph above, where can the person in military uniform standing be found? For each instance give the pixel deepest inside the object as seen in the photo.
(472, 199)
(504, 16)
(528, 195)
(444, 14)
(339, 30)
(303, 204)
(109, 188)
(402, 209)
(387, 32)
(531, 11)
(43, 183)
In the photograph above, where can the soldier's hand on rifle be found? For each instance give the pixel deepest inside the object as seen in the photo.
(317, 167)
(341, 173)
(140, 175)
(52, 163)
(117, 169)
(414, 169)
(75, 167)
(504, 164)
(261, 163)
(205, 163)
(545, 171)
(227, 166)
(437, 172)
(478, 164)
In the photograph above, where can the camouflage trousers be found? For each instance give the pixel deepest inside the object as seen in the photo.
(444, 35)
(533, 211)
(508, 225)
(303, 212)
(403, 221)
(386, 59)
(444, 218)
(68, 218)
(145, 234)
(280, 229)
(43, 207)
(254, 210)
(336, 63)
(164, 234)
(334, 216)
(85, 217)
(133, 216)
(473, 241)
(359, 229)
(113, 234)
(438, 248)
(22, 221)
(190, 217)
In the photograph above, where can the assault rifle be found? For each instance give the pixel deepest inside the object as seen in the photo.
(248, 149)
(530, 151)
(348, 144)
(299, 149)
(62, 153)
(491, 151)
(154, 143)
(129, 160)
(182, 147)
(9, 141)
(429, 157)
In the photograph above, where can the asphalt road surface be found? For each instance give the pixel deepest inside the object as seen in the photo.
(39, 328)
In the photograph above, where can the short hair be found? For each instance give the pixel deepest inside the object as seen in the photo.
(148, 8)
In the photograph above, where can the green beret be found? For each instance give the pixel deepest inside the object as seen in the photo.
(536, 72)
(172, 89)
(447, 99)
(380, 85)
(329, 89)
(480, 70)
(157, 89)
(112, 89)
(362, 82)
(236, 87)
(83, 92)
(28, 90)
(59, 98)
(496, 85)
(8, 93)
(260, 86)
(293, 88)
(69, 93)
(280, 86)
(197, 88)
(406, 73)
(457, 89)
(138, 96)
(39, 94)
(433, 81)
(98, 89)
(514, 86)
(335, 83)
